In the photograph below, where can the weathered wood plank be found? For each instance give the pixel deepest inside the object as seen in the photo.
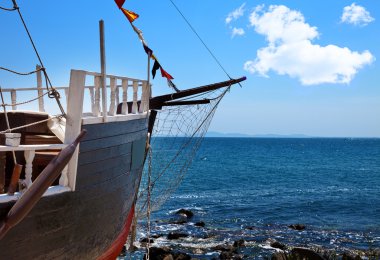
(104, 153)
(98, 131)
(92, 145)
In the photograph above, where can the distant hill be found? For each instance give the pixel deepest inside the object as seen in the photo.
(218, 134)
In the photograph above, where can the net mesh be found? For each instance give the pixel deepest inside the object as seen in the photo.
(177, 135)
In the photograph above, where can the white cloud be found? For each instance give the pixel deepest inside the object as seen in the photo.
(235, 14)
(237, 32)
(290, 50)
(356, 14)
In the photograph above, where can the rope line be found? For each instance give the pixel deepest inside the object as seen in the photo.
(49, 85)
(31, 124)
(201, 40)
(21, 73)
(8, 9)
(25, 102)
(199, 37)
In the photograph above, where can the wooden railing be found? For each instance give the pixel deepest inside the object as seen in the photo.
(29, 155)
(118, 89)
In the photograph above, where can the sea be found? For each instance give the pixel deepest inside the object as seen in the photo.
(253, 189)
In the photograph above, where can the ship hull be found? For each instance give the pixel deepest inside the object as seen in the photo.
(92, 221)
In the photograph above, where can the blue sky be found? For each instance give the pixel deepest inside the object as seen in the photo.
(312, 66)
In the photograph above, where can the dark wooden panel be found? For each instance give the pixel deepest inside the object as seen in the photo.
(104, 165)
(101, 176)
(138, 152)
(97, 131)
(104, 154)
(105, 142)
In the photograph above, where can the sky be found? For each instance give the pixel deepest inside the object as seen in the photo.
(312, 67)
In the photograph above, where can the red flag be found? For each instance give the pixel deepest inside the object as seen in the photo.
(119, 3)
(165, 74)
(131, 16)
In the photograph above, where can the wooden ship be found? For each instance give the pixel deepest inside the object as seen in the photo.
(69, 183)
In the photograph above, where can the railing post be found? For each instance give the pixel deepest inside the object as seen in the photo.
(14, 99)
(39, 89)
(112, 96)
(97, 80)
(92, 98)
(74, 119)
(64, 180)
(124, 108)
(134, 104)
(29, 156)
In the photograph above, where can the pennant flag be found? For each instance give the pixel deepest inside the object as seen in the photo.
(165, 74)
(156, 66)
(131, 16)
(148, 50)
(119, 3)
(171, 84)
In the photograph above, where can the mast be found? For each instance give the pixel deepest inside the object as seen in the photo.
(103, 70)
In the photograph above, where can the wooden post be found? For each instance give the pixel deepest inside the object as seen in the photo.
(14, 99)
(124, 108)
(39, 89)
(112, 111)
(2, 171)
(29, 156)
(97, 96)
(103, 70)
(74, 119)
(134, 104)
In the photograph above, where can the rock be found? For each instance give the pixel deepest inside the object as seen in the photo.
(348, 256)
(297, 226)
(200, 224)
(305, 253)
(173, 235)
(239, 243)
(178, 222)
(251, 228)
(185, 212)
(159, 253)
(225, 248)
(198, 251)
(132, 248)
(229, 255)
(279, 256)
(123, 251)
(168, 257)
(155, 236)
(181, 256)
(146, 240)
(276, 244)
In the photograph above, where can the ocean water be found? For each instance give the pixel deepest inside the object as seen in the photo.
(254, 188)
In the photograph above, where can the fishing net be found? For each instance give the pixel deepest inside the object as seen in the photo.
(177, 135)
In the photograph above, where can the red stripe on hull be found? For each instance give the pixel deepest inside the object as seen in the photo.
(113, 252)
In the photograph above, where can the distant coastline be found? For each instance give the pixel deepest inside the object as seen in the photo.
(240, 135)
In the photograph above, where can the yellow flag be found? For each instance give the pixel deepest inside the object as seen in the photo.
(131, 16)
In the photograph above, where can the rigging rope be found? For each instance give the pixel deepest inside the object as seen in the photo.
(20, 73)
(8, 9)
(201, 40)
(53, 92)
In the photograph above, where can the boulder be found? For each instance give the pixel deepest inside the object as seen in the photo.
(305, 253)
(200, 224)
(174, 235)
(159, 253)
(239, 243)
(279, 256)
(297, 227)
(348, 256)
(185, 212)
(181, 256)
(276, 244)
(146, 240)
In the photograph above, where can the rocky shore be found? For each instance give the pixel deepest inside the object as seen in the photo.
(193, 239)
